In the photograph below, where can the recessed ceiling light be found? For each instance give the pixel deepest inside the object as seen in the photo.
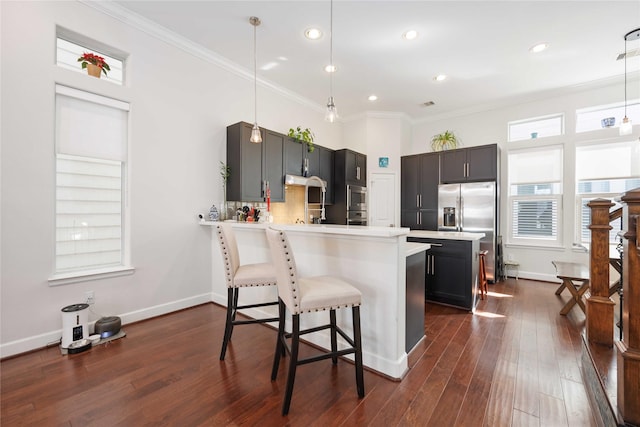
(440, 77)
(330, 68)
(539, 47)
(410, 35)
(372, 97)
(313, 34)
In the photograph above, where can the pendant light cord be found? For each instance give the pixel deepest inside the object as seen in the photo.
(255, 74)
(331, 51)
(625, 76)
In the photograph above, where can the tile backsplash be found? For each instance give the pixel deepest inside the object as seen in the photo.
(289, 212)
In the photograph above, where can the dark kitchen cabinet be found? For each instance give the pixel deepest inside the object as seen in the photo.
(451, 271)
(254, 167)
(324, 169)
(414, 315)
(350, 168)
(472, 164)
(299, 161)
(419, 177)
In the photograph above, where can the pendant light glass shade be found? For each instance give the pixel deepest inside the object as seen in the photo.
(256, 136)
(626, 128)
(332, 112)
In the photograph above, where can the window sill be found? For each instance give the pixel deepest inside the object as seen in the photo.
(85, 276)
(532, 246)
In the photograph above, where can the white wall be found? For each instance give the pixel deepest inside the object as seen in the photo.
(490, 127)
(180, 107)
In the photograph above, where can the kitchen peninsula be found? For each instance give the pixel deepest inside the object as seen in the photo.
(372, 258)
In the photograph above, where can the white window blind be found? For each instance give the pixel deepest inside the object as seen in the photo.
(91, 153)
(604, 170)
(535, 195)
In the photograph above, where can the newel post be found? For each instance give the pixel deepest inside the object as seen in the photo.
(629, 348)
(598, 304)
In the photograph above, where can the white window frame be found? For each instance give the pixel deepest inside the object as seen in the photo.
(557, 198)
(84, 151)
(633, 173)
(531, 123)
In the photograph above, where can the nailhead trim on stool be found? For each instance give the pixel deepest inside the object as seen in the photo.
(312, 294)
(240, 276)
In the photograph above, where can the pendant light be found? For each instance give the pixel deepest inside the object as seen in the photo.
(332, 112)
(627, 127)
(256, 137)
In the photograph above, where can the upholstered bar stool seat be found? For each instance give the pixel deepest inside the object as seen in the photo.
(311, 294)
(239, 276)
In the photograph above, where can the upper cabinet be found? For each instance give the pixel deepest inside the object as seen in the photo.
(469, 164)
(254, 167)
(350, 168)
(321, 165)
(419, 175)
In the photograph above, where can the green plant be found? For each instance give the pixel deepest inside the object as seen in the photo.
(444, 141)
(98, 61)
(225, 173)
(303, 136)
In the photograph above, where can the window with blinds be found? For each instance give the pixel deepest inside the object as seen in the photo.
(91, 154)
(604, 170)
(535, 196)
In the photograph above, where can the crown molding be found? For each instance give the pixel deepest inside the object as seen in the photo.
(159, 32)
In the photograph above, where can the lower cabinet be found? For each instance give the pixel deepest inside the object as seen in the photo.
(451, 274)
(414, 316)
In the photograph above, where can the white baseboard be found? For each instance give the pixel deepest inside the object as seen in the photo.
(39, 341)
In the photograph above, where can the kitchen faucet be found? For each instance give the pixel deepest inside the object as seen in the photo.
(306, 197)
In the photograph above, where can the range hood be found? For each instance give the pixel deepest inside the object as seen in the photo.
(312, 181)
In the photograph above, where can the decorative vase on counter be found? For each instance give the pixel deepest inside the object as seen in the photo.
(94, 70)
(214, 215)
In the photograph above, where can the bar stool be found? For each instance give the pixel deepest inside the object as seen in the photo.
(240, 276)
(303, 295)
(482, 274)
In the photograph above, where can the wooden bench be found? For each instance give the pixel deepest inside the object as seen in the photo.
(575, 278)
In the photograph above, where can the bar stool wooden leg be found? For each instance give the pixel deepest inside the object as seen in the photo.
(232, 298)
(482, 274)
(334, 336)
(358, 354)
(280, 345)
(293, 363)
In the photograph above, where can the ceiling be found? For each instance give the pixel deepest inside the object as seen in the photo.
(482, 46)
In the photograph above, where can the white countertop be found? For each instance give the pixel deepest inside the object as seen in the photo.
(447, 235)
(415, 248)
(349, 230)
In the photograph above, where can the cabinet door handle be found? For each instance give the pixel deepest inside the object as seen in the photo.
(436, 245)
(357, 172)
(420, 200)
(428, 263)
(418, 218)
(417, 200)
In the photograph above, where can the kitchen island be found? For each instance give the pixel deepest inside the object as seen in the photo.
(373, 259)
(452, 267)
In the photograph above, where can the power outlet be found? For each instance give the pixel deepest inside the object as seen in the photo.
(89, 297)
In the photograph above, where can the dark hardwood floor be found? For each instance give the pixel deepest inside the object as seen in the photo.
(514, 363)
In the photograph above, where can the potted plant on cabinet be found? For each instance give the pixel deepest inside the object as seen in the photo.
(446, 140)
(95, 65)
(303, 136)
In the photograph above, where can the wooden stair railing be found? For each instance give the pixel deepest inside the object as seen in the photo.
(628, 358)
(599, 305)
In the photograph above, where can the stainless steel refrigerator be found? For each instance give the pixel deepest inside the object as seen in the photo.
(471, 207)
